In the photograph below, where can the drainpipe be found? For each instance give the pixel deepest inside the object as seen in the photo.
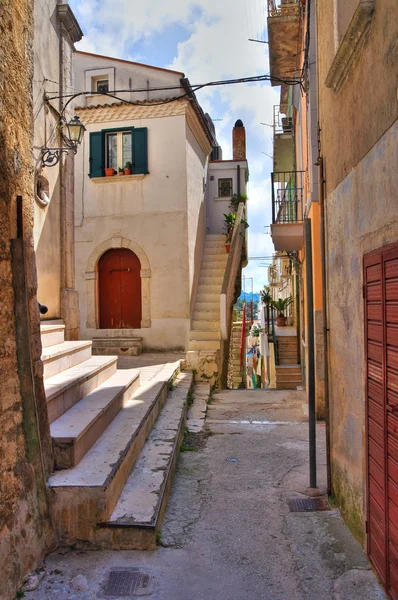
(325, 320)
(311, 351)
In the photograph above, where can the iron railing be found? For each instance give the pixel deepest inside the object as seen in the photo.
(287, 196)
(283, 121)
(283, 8)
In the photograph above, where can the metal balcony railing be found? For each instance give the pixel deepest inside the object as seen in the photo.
(287, 196)
(283, 122)
(283, 8)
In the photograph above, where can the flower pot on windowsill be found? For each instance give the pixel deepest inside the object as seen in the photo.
(109, 172)
(127, 171)
(281, 321)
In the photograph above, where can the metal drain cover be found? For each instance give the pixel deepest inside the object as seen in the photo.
(127, 583)
(307, 504)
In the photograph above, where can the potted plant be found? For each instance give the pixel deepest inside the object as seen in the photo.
(227, 243)
(109, 172)
(121, 171)
(265, 295)
(281, 305)
(127, 168)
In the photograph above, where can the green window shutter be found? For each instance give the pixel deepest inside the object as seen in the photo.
(140, 150)
(96, 154)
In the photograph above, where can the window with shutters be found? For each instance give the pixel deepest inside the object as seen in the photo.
(114, 148)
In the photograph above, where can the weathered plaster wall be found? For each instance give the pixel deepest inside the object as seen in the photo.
(359, 147)
(353, 119)
(24, 524)
(361, 216)
(47, 218)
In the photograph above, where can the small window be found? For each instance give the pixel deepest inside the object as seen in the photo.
(102, 86)
(118, 149)
(225, 188)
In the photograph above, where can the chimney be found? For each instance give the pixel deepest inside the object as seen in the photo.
(239, 141)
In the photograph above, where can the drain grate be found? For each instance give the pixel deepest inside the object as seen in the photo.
(127, 583)
(307, 504)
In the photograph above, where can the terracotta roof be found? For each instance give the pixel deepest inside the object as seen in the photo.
(129, 62)
(122, 111)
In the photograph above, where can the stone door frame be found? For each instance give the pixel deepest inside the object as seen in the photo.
(91, 276)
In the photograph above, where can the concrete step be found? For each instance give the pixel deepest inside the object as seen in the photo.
(138, 513)
(285, 361)
(68, 387)
(204, 345)
(64, 356)
(208, 306)
(213, 267)
(288, 368)
(75, 432)
(208, 295)
(211, 237)
(294, 379)
(120, 346)
(199, 335)
(286, 341)
(86, 494)
(200, 315)
(288, 385)
(211, 278)
(52, 334)
(211, 250)
(206, 325)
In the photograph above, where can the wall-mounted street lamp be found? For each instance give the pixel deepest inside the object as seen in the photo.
(73, 138)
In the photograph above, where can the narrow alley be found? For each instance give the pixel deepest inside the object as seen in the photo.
(228, 532)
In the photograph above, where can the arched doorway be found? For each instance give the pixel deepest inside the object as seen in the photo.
(119, 274)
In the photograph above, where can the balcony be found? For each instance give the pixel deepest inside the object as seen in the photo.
(283, 36)
(287, 227)
(283, 139)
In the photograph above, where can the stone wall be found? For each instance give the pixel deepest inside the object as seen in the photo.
(24, 444)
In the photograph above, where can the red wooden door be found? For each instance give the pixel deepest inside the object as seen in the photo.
(381, 337)
(119, 290)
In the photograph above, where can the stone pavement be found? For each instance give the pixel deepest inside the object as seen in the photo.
(228, 533)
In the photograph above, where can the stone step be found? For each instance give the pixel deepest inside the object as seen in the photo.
(200, 315)
(288, 385)
(287, 341)
(138, 513)
(68, 387)
(285, 361)
(213, 267)
(206, 325)
(208, 295)
(294, 379)
(64, 356)
(215, 237)
(52, 334)
(87, 494)
(216, 242)
(131, 346)
(208, 306)
(75, 432)
(200, 335)
(211, 278)
(205, 289)
(211, 250)
(288, 368)
(204, 345)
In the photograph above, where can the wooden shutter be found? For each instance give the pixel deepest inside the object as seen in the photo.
(140, 150)
(96, 154)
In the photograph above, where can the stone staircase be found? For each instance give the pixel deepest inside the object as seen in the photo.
(204, 337)
(235, 372)
(288, 372)
(116, 436)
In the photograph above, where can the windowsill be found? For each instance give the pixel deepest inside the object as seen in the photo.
(223, 198)
(117, 178)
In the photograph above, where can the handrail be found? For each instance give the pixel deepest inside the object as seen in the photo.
(231, 272)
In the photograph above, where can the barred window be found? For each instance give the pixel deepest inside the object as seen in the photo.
(225, 188)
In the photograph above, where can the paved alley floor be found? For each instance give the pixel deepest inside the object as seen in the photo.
(228, 533)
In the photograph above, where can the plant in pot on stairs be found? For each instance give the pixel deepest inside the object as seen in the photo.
(229, 223)
(280, 306)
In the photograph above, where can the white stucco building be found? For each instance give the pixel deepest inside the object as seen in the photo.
(149, 225)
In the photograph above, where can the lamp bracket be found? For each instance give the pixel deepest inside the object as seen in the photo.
(51, 156)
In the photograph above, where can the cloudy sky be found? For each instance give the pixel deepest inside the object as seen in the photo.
(207, 40)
